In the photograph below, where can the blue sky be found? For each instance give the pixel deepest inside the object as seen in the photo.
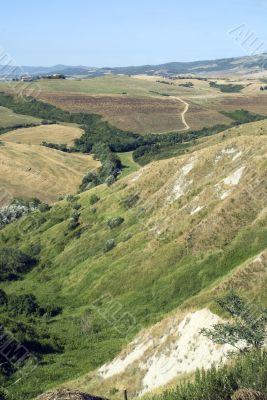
(118, 33)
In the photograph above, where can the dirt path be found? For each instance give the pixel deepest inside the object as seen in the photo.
(187, 127)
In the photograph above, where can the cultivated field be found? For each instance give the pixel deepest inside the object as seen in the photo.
(143, 115)
(253, 103)
(36, 171)
(58, 134)
(146, 104)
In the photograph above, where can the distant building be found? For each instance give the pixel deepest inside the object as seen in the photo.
(55, 76)
(26, 78)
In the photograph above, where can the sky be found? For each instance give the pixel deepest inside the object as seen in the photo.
(122, 33)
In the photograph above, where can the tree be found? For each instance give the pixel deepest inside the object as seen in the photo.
(13, 263)
(245, 330)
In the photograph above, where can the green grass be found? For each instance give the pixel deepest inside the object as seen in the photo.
(129, 165)
(74, 272)
(146, 275)
(243, 116)
(115, 85)
(9, 119)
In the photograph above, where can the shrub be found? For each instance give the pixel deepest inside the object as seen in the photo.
(109, 245)
(16, 209)
(94, 199)
(91, 179)
(43, 207)
(130, 201)
(50, 311)
(114, 222)
(14, 263)
(127, 237)
(246, 377)
(71, 198)
(3, 298)
(73, 224)
(23, 304)
(35, 249)
(3, 395)
(75, 215)
(110, 180)
(76, 206)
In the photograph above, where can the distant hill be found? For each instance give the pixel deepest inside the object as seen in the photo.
(237, 65)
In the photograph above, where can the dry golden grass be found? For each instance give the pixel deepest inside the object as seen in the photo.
(36, 171)
(48, 133)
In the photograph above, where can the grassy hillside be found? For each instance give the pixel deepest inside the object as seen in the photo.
(35, 171)
(161, 238)
(46, 133)
(140, 104)
(8, 119)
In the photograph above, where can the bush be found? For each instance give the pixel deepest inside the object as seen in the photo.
(14, 263)
(114, 222)
(76, 206)
(73, 224)
(75, 215)
(91, 179)
(35, 249)
(43, 207)
(110, 180)
(3, 298)
(247, 373)
(130, 201)
(71, 198)
(50, 311)
(127, 237)
(94, 199)
(3, 395)
(109, 245)
(15, 210)
(23, 304)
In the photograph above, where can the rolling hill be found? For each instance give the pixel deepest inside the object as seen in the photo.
(53, 133)
(235, 65)
(9, 119)
(35, 171)
(165, 239)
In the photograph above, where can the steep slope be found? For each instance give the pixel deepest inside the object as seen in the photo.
(189, 228)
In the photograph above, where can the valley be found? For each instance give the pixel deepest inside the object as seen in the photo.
(189, 216)
(128, 204)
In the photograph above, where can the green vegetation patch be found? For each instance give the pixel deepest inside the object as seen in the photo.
(227, 88)
(243, 116)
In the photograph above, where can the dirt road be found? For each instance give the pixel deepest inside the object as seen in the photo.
(187, 127)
